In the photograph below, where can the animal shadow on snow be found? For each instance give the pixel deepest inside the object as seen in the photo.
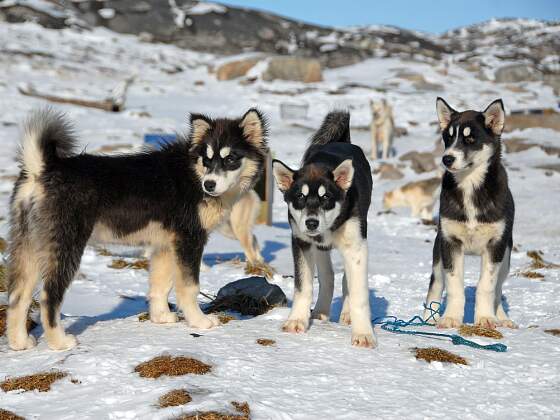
(470, 300)
(268, 252)
(378, 306)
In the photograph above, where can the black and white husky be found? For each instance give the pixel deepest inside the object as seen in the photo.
(476, 215)
(169, 200)
(328, 201)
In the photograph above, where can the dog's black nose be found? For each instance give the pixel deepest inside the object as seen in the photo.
(209, 185)
(448, 160)
(312, 224)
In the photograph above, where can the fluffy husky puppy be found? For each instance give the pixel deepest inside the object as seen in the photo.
(382, 128)
(420, 196)
(169, 200)
(476, 215)
(328, 200)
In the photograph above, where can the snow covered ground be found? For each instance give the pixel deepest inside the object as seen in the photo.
(317, 375)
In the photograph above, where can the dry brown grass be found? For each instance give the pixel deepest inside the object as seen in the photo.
(243, 410)
(39, 381)
(532, 275)
(3, 313)
(470, 330)
(174, 398)
(554, 331)
(103, 252)
(171, 366)
(144, 316)
(225, 318)
(260, 269)
(434, 354)
(3, 245)
(8, 415)
(141, 264)
(266, 342)
(538, 261)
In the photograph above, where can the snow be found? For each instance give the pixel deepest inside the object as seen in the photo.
(106, 13)
(203, 8)
(316, 375)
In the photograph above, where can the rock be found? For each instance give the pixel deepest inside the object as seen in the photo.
(420, 162)
(307, 70)
(545, 118)
(516, 145)
(256, 288)
(237, 68)
(388, 171)
(554, 167)
(515, 73)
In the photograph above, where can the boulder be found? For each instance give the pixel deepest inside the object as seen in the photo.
(545, 118)
(420, 162)
(514, 73)
(237, 68)
(307, 70)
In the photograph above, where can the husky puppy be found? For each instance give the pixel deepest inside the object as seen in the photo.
(169, 200)
(382, 128)
(420, 196)
(476, 215)
(328, 200)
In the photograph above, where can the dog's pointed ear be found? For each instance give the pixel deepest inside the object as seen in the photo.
(444, 113)
(495, 117)
(283, 175)
(343, 174)
(200, 124)
(253, 124)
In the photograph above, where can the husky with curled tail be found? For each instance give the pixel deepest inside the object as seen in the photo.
(169, 200)
(328, 200)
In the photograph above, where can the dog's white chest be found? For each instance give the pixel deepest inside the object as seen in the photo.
(474, 236)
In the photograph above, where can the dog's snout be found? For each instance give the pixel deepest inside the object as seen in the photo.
(210, 186)
(448, 160)
(312, 224)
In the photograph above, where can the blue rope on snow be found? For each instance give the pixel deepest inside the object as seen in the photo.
(395, 325)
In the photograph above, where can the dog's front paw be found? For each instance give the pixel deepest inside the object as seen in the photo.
(449, 322)
(295, 326)
(321, 316)
(163, 317)
(205, 322)
(486, 321)
(507, 323)
(345, 318)
(367, 340)
(25, 343)
(62, 343)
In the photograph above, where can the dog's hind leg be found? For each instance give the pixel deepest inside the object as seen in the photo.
(163, 267)
(435, 290)
(187, 287)
(22, 275)
(503, 318)
(386, 146)
(373, 132)
(322, 308)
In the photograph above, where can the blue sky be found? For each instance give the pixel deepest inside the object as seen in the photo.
(426, 15)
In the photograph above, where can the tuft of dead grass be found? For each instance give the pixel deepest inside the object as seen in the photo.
(171, 366)
(8, 415)
(532, 275)
(259, 269)
(141, 264)
(554, 331)
(144, 316)
(434, 354)
(4, 313)
(225, 318)
(39, 381)
(174, 398)
(243, 410)
(265, 342)
(470, 330)
(537, 260)
(104, 252)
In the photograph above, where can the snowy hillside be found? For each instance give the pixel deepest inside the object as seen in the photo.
(317, 375)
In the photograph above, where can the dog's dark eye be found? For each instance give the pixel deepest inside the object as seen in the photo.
(300, 196)
(325, 197)
(230, 160)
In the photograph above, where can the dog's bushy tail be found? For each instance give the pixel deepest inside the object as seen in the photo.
(47, 136)
(335, 128)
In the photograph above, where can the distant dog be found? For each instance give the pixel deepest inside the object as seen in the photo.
(382, 128)
(328, 201)
(420, 196)
(476, 215)
(169, 200)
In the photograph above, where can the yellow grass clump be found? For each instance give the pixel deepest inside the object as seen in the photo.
(120, 264)
(39, 381)
(470, 330)
(242, 412)
(8, 415)
(174, 398)
(266, 342)
(171, 366)
(434, 354)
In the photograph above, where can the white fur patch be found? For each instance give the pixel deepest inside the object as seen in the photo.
(305, 190)
(451, 130)
(209, 152)
(466, 131)
(225, 151)
(322, 191)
